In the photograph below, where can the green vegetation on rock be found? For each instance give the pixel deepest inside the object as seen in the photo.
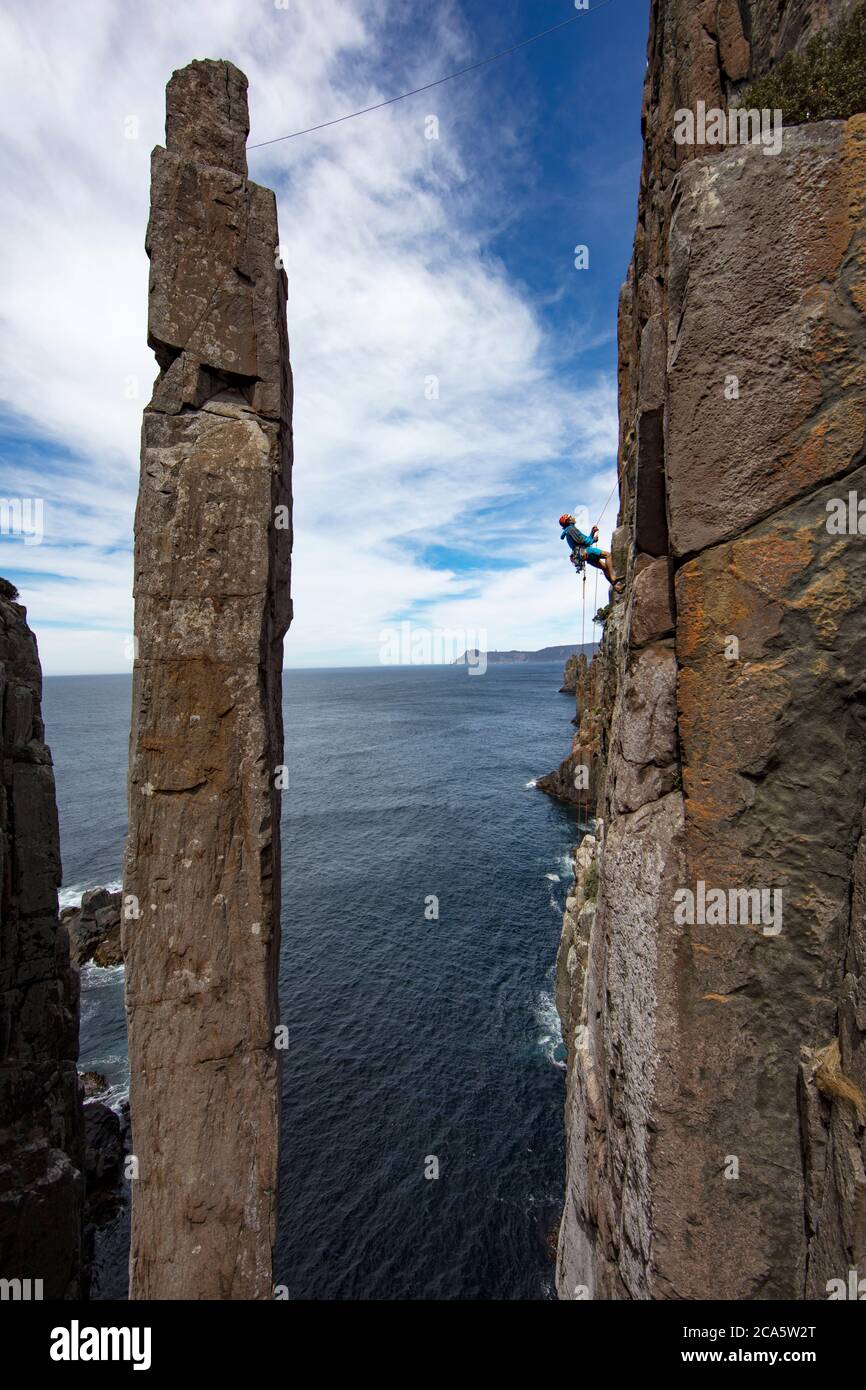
(828, 79)
(590, 882)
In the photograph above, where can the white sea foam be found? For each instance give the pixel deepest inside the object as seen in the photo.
(554, 898)
(118, 1090)
(95, 979)
(71, 896)
(533, 783)
(550, 1029)
(566, 864)
(100, 976)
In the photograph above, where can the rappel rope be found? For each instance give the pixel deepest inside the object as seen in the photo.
(580, 715)
(585, 810)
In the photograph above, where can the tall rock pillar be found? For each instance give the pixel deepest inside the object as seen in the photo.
(716, 1084)
(202, 868)
(41, 1127)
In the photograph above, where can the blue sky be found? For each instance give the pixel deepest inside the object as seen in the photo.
(409, 259)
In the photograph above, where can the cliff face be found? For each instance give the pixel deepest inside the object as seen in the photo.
(569, 677)
(202, 869)
(41, 1126)
(579, 776)
(716, 1067)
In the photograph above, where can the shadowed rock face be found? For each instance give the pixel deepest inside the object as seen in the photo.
(711, 1150)
(41, 1127)
(577, 778)
(212, 547)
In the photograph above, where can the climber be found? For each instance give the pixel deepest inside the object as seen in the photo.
(586, 548)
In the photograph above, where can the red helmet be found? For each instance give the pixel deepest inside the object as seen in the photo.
(565, 519)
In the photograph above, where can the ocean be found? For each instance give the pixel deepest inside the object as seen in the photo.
(423, 1085)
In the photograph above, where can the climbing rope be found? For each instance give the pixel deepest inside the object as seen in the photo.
(595, 606)
(609, 496)
(581, 788)
(449, 77)
(584, 810)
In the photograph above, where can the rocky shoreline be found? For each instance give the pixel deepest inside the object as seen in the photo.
(94, 928)
(107, 1206)
(94, 938)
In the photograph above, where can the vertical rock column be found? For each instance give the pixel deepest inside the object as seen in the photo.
(41, 1133)
(716, 1110)
(202, 868)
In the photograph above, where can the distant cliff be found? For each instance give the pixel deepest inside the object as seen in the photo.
(717, 1058)
(41, 1122)
(562, 653)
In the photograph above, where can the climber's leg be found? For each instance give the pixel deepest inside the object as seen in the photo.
(602, 561)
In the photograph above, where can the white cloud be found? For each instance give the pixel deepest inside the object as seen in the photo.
(390, 284)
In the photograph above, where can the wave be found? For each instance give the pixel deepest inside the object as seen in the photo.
(533, 783)
(118, 1090)
(100, 976)
(550, 1029)
(95, 979)
(71, 896)
(554, 897)
(566, 865)
(103, 1030)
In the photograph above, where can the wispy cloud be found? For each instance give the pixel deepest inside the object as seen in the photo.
(433, 404)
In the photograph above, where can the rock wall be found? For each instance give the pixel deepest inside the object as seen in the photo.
(717, 1068)
(578, 778)
(202, 867)
(41, 1126)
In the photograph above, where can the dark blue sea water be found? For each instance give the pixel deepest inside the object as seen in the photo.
(411, 1040)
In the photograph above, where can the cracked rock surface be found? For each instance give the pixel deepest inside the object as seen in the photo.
(201, 926)
(41, 1121)
(732, 721)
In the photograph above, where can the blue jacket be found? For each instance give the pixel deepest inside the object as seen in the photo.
(575, 538)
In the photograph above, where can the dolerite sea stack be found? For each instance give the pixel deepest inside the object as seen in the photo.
(202, 869)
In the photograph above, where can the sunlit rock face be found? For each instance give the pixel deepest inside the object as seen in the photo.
(717, 1049)
(202, 871)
